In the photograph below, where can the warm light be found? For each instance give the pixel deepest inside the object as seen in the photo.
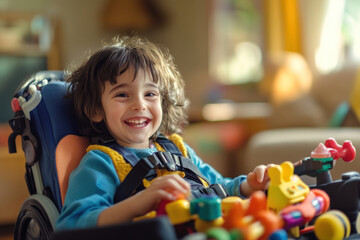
(243, 66)
(288, 77)
(229, 111)
(218, 112)
(328, 53)
(246, 63)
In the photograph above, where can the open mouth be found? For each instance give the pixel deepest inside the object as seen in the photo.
(138, 123)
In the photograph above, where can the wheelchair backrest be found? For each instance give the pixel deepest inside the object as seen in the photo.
(51, 121)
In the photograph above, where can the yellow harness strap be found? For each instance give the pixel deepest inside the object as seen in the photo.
(123, 168)
(179, 142)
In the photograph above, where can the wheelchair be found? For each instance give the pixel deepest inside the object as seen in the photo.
(53, 147)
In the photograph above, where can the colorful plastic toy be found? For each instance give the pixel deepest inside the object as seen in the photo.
(347, 151)
(344, 194)
(290, 204)
(315, 203)
(333, 225)
(322, 160)
(228, 202)
(292, 199)
(253, 220)
(208, 211)
(285, 188)
(178, 211)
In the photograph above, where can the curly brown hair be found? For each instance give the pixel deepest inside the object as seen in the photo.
(87, 82)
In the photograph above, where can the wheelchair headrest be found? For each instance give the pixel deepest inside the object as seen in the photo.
(42, 101)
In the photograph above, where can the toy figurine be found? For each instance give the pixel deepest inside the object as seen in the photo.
(322, 160)
(285, 188)
(316, 202)
(344, 193)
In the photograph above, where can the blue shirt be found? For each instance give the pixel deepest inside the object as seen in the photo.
(93, 183)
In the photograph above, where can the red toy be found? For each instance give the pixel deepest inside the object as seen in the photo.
(347, 151)
(315, 203)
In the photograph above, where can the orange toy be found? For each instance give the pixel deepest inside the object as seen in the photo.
(254, 221)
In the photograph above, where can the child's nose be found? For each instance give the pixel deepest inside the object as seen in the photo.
(138, 104)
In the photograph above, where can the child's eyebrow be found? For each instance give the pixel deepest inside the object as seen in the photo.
(154, 85)
(122, 85)
(126, 85)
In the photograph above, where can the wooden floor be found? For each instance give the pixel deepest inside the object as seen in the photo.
(6, 232)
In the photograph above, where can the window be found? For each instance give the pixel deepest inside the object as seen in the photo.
(340, 36)
(235, 40)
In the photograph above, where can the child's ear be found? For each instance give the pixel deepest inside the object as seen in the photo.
(97, 117)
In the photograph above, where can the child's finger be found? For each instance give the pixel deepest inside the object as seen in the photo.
(184, 184)
(171, 183)
(259, 171)
(179, 184)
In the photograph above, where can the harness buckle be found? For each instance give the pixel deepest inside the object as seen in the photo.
(152, 162)
(167, 160)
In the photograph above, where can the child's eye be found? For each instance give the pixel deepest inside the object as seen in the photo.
(122, 95)
(151, 94)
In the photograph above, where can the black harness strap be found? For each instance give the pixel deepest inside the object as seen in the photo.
(186, 163)
(133, 180)
(171, 160)
(182, 162)
(217, 190)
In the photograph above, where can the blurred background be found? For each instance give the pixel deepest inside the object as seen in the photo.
(249, 66)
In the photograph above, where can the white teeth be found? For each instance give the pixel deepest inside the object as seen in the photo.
(137, 123)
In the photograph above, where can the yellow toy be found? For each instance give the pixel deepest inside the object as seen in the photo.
(179, 211)
(228, 202)
(285, 188)
(332, 225)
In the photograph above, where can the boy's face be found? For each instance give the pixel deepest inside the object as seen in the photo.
(132, 109)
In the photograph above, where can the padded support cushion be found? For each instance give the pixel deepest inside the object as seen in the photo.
(69, 153)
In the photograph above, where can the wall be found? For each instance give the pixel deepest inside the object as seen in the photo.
(185, 33)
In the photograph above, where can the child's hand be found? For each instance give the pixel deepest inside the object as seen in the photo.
(162, 188)
(256, 180)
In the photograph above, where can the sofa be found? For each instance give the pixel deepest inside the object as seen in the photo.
(294, 144)
(297, 127)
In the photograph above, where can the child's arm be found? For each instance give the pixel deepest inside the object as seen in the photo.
(256, 180)
(92, 186)
(165, 187)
